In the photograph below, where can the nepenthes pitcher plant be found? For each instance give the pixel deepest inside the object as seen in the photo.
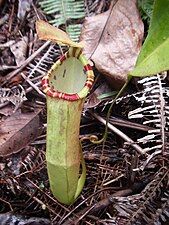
(66, 85)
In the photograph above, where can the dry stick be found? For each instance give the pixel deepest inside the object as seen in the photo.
(51, 198)
(84, 214)
(7, 204)
(125, 123)
(33, 85)
(101, 205)
(85, 200)
(27, 61)
(43, 205)
(118, 132)
(31, 88)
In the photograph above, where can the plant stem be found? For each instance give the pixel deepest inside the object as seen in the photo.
(109, 112)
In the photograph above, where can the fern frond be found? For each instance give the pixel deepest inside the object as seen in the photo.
(65, 11)
(146, 9)
(154, 110)
(39, 67)
(74, 31)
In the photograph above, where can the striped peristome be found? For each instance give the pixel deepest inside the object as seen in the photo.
(77, 53)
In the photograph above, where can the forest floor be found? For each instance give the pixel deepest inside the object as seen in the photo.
(125, 183)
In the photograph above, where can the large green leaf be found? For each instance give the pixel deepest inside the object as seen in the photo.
(154, 56)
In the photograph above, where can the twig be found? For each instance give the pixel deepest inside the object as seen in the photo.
(43, 205)
(150, 157)
(54, 200)
(31, 88)
(125, 123)
(7, 44)
(101, 205)
(27, 61)
(7, 203)
(6, 67)
(84, 214)
(85, 200)
(4, 104)
(111, 181)
(119, 133)
(35, 87)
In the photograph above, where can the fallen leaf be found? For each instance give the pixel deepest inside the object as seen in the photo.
(46, 31)
(17, 131)
(113, 40)
(6, 110)
(19, 50)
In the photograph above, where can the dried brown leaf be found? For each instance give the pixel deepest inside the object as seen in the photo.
(6, 110)
(17, 131)
(46, 31)
(19, 50)
(113, 40)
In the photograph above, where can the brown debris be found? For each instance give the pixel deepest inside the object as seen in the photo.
(17, 131)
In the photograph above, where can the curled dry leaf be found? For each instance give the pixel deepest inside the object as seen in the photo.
(46, 31)
(113, 40)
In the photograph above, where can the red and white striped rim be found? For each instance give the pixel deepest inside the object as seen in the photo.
(77, 53)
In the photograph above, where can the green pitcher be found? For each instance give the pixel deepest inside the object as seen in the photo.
(66, 85)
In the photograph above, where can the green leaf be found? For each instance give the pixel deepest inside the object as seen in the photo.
(154, 56)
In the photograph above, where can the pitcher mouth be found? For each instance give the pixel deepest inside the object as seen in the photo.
(72, 52)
